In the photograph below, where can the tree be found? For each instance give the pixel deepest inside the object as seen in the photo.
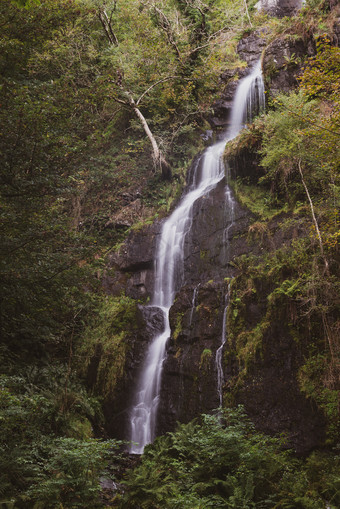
(129, 101)
(155, 84)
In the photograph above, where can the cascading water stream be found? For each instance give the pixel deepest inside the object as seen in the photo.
(169, 271)
(219, 351)
(193, 303)
(251, 92)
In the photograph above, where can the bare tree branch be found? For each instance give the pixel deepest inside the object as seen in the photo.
(153, 85)
(107, 25)
(159, 160)
(314, 217)
(212, 36)
(246, 6)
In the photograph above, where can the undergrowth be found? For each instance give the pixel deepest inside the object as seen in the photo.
(219, 461)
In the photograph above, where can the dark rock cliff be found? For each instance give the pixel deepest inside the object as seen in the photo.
(282, 62)
(130, 269)
(189, 381)
(270, 392)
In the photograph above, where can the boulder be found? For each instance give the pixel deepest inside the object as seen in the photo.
(280, 8)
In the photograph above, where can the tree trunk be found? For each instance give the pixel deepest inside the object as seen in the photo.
(247, 12)
(314, 217)
(159, 161)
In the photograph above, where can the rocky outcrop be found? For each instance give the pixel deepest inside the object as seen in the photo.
(249, 50)
(217, 235)
(280, 8)
(130, 269)
(189, 380)
(267, 386)
(222, 107)
(336, 31)
(244, 164)
(282, 63)
(251, 46)
(271, 396)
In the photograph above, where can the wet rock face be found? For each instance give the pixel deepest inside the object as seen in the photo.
(217, 235)
(249, 50)
(282, 63)
(131, 268)
(270, 392)
(222, 107)
(245, 165)
(250, 47)
(189, 380)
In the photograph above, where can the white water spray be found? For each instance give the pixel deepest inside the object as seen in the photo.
(219, 351)
(169, 272)
(193, 303)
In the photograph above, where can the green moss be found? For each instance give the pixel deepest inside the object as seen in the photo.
(178, 353)
(249, 343)
(178, 328)
(258, 200)
(287, 287)
(205, 359)
(317, 369)
(258, 232)
(203, 254)
(107, 339)
(140, 225)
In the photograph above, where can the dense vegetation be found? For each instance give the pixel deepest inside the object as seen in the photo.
(221, 462)
(297, 142)
(78, 170)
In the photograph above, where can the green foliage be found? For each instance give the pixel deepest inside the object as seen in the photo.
(302, 132)
(25, 3)
(220, 462)
(297, 141)
(256, 198)
(107, 339)
(47, 454)
(287, 287)
(321, 74)
(205, 359)
(285, 141)
(70, 477)
(316, 369)
(179, 326)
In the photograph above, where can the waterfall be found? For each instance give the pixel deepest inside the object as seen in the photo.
(249, 101)
(193, 303)
(169, 270)
(219, 351)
